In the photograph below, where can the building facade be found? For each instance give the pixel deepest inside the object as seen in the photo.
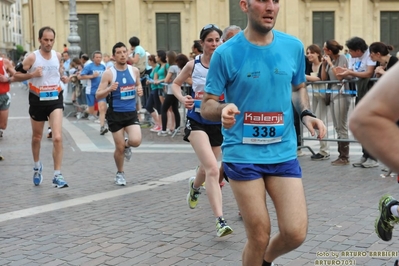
(6, 26)
(174, 24)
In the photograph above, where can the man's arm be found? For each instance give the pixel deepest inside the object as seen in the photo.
(104, 89)
(85, 74)
(374, 119)
(300, 99)
(22, 68)
(10, 70)
(348, 73)
(211, 108)
(134, 59)
(64, 79)
(139, 88)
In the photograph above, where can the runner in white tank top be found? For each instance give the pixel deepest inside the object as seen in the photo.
(43, 70)
(204, 136)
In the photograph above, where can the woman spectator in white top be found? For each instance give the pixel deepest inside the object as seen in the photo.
(313, 53)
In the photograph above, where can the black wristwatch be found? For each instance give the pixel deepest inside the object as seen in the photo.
(307, 113)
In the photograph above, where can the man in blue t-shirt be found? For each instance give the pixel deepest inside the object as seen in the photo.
(93, 72)
(259, 145)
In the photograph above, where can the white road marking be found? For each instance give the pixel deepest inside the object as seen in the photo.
(93, 198)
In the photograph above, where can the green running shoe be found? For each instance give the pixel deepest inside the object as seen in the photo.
(193, 194)
(222, 229)
(384, 224)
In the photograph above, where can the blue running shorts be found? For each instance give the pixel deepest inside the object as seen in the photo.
(91, 99)
(247, 172)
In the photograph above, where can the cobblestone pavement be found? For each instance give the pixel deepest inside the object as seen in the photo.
(148, 222)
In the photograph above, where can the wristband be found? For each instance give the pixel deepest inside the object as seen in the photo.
(307, 113)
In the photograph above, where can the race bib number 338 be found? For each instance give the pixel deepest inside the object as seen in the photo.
(263, 127)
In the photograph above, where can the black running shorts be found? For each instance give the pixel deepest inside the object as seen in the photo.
(118, 120)
(41, 113)
(214, 132)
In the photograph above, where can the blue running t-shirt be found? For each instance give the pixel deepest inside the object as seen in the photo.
(92, 84)
(258, 79)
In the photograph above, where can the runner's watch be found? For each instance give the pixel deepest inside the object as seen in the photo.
(307, 113)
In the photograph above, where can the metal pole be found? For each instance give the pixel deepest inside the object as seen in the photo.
(74, 40)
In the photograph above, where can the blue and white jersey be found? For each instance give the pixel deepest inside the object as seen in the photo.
(124, 97)
(259, 81)
(199, 79)
(92, 84)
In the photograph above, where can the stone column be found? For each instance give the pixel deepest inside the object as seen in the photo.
(74, 40)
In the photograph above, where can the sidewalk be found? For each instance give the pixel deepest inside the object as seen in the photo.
(148, 222)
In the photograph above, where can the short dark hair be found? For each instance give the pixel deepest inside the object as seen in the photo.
(197, 45)
(134, 41)
(117, 45)
(181, 60)
(357, 43)
(46, 28)
(85, 57)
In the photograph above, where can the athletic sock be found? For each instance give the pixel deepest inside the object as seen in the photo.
(37, 165)
(57, 172)
(196, 188)
(394, 210)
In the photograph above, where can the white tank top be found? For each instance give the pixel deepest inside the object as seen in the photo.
(49, 81)
(199, 75)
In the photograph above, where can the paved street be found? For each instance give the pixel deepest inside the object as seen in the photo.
(148, 222)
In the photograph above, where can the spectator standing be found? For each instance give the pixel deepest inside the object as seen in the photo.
(196, 49)
(153, 105)
(176, 63)
(362, 67)
(313, 74)
(229, 32)
(108, 60)
(67, 62)
(379, 53)
(332, 61)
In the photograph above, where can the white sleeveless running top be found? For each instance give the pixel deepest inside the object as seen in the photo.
(49, 81)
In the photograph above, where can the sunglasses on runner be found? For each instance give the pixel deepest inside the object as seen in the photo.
(210, 26)
(207, 27)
